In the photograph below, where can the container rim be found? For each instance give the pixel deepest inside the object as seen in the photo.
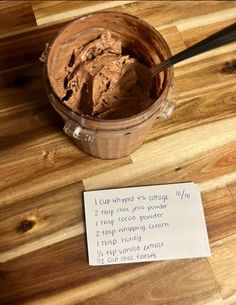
(134, 119)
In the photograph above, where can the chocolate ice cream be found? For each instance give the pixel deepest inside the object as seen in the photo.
(106, 115)
(88, 79)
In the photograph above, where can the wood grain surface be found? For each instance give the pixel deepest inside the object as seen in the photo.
(43, 254)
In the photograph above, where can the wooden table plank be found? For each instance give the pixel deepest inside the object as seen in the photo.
(22, 87)
(54, 165)
(29, 45)
(163, 282)
(15, 16)
(168, 153)
(217, 211)
(206, 74)
(173, 38)
(191, 35)
(159, 13)
(56, 11)
(179, 284)
(232, 188)
(162, 14)
(197, 110)
(37, 218)
(223, 265)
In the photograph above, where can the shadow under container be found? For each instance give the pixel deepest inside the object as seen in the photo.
(112, 139)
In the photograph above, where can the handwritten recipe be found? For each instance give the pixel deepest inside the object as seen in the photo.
(147, 223)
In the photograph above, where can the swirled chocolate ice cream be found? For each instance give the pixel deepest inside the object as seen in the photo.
(86, 78)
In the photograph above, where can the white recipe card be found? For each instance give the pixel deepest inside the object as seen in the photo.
(146, 223)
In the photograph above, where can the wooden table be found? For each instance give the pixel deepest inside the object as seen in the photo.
(43, 251)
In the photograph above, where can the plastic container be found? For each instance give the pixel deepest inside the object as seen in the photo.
(112, 139)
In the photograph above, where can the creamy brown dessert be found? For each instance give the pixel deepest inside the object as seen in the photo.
(88, 79)
(82, 66)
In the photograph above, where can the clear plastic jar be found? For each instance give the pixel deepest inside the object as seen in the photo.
(112, 139)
